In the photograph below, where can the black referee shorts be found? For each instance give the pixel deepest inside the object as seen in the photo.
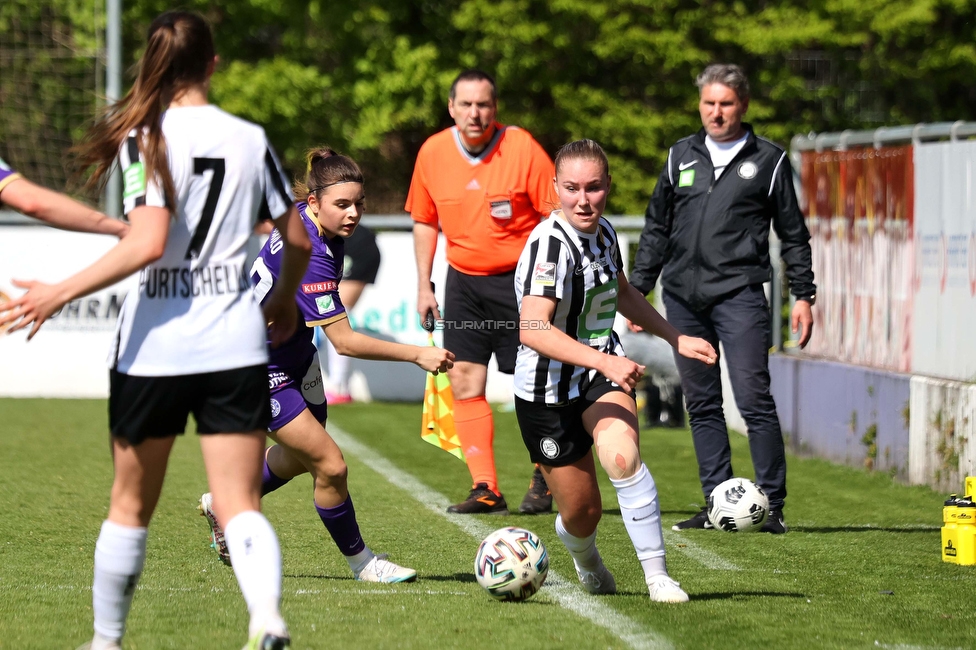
(227, 401)
(481, 317)
(362, 261)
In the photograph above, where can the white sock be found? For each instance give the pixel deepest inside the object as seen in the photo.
(637, 496)
(256, 558)
(120, 554)
(359, 561)
(99, 642)
(338, 370)
(582, 549)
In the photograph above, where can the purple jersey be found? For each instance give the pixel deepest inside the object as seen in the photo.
(317, 298)
(7, 175)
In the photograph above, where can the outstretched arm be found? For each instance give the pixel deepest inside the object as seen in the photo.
(144, 244)
(555, 344)
(632, 305)
(351, 343)
(59, 210)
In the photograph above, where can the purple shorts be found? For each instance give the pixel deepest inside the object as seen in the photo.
(295, 389)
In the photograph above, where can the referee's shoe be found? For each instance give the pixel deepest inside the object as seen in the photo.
(538, 499)
(481, 501)
(698, 521)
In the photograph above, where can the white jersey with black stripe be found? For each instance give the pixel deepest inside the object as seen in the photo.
(193, 310)
(579, 270)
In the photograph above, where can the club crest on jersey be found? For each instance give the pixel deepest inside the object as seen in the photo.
(549, 447)
(320, 287)
(544, 274)
(325, 304)
(748, 170)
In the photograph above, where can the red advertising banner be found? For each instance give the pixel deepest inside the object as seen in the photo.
(860, 210)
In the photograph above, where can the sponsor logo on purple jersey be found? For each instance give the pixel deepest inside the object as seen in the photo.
(317, 298)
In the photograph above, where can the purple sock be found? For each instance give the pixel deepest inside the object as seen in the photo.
(269, 480)
(341, 524)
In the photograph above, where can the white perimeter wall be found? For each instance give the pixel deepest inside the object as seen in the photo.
(944, 309)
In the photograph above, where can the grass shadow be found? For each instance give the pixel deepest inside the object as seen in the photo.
(731, 595)
(862, 529)
(457, 577)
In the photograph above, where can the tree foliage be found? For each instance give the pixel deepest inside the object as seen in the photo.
(370, 77)
(49, 76)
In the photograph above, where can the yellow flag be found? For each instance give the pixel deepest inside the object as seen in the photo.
(437, 427)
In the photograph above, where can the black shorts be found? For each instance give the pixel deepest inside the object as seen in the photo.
(554, 433)
(228, 401)
(481, 317)
(362, 261)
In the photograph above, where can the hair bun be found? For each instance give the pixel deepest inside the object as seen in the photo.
(316, 155)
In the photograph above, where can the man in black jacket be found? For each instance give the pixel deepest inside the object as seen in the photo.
(707, 227)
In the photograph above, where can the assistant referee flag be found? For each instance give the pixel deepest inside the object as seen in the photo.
(437, 426)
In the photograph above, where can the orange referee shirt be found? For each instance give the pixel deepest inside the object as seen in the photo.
(486, 205)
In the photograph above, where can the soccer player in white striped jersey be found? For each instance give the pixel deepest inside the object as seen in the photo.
(191, 336)
(573, 385)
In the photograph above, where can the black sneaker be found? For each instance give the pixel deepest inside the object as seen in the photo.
(269, 642)
(775, 523)
(538, 499)
(481, 501)
(698, 521)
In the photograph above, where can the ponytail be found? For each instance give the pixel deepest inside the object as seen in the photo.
(179, 51)
(324, 168)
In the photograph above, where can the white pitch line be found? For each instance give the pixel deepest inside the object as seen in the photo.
(709, 559)
(568, 595)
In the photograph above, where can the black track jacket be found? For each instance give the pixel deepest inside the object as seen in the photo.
(712, 236)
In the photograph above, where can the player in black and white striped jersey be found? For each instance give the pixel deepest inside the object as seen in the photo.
(580, 272)
(573, 386)
(191, 336)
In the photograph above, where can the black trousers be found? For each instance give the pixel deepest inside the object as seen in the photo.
(741, 322)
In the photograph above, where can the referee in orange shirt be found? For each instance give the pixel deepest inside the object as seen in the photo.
(486, 185)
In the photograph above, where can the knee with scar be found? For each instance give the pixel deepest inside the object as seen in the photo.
(618, 452)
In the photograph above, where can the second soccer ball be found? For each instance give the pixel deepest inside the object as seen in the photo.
(738, 505)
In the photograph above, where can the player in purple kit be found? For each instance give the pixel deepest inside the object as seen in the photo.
(334, 206)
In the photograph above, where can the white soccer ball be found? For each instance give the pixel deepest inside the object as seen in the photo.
(511, 564)
(738, 505)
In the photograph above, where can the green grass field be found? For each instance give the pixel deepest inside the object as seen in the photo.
(860, 567)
